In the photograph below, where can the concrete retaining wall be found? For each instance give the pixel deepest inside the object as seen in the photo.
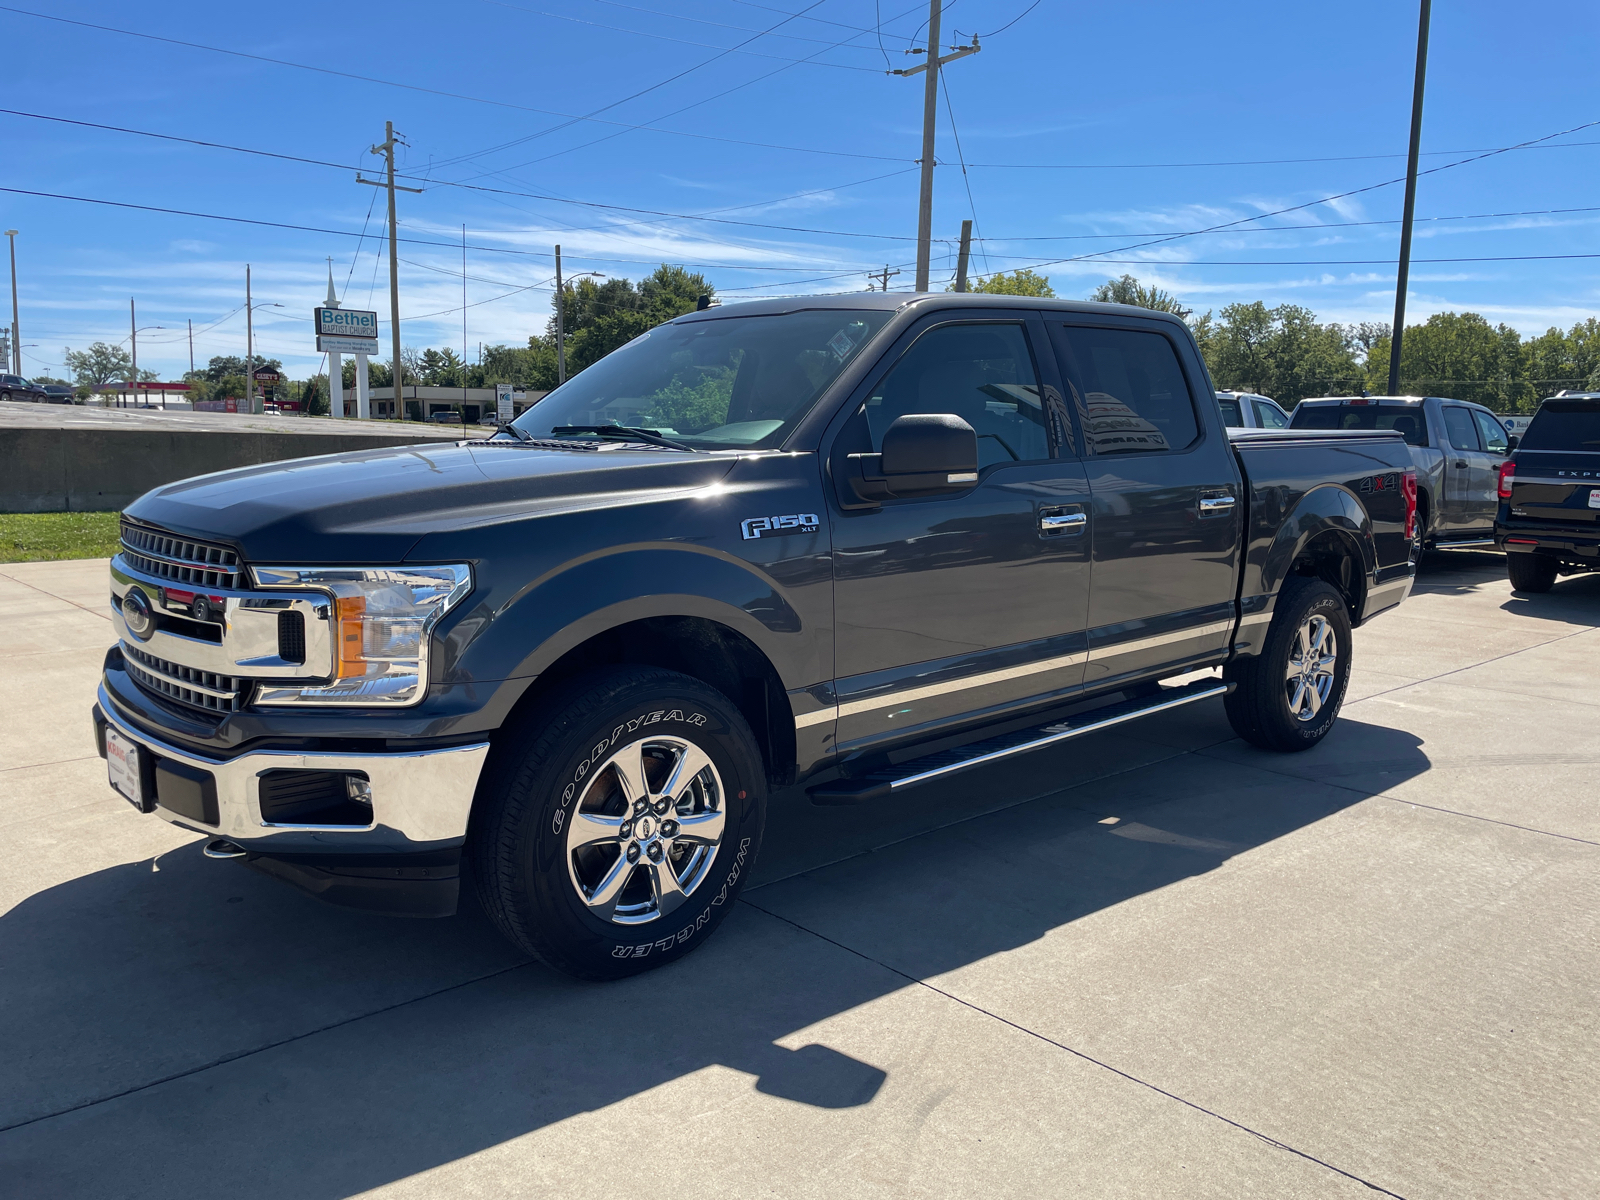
(80, 470)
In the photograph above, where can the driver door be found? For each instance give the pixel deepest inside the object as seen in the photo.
(962, 606)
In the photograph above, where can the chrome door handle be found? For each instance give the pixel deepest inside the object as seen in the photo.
(1063, 522)
(1213, 506)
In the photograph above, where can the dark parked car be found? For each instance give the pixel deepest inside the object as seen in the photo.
(853, 543)
(15, 387)
(1549, 518)
(1456, 446)
(59, 393)
(446, 417)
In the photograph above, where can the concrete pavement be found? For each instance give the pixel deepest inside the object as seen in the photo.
(1155, 962)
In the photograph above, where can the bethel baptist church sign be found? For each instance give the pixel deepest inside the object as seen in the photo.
(346, 331)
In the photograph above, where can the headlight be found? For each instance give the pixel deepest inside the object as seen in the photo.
(381, 620)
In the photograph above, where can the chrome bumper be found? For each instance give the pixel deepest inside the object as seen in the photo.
(420, 800)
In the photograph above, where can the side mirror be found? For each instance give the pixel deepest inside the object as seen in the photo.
(924, 454)
(1512, 442)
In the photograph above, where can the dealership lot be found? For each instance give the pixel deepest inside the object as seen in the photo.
(1151, 962)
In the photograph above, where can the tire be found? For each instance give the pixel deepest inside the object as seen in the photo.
(591, 910)
(5, 395)
(1284, 699)
(1530, 572)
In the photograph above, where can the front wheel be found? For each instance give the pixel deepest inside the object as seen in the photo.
(618, 822)
(1530, 572)
(1288, 697)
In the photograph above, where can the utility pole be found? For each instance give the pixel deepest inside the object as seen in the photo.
(961, 259)
(133, 333)
(463, 320)
(882, 277)
(930, 113)
(561, 326)
(16, 329)
(387, 151)
(1404, 277)
(249, 347)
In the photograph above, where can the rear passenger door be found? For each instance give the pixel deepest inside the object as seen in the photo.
(1469, 475)
(1166, 494)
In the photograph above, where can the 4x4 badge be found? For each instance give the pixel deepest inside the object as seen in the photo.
(755, 527)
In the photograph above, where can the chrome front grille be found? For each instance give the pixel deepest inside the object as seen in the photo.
(186, 685)
(178, 559)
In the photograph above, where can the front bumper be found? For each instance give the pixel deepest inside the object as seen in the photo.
(421, 800)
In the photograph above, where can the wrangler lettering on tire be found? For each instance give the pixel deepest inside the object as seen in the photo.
(618, 821)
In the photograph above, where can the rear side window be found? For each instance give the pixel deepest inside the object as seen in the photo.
(1408, 421)
(1564, 425)
(1231, 416)
(1268, 416)
(1490, 430)
(1459, 425)
(1134, 391)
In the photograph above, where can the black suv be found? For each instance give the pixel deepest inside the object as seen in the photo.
(15, 387)
(1549, 518)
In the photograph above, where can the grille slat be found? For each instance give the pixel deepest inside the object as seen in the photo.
(181, 560)
(187, 685)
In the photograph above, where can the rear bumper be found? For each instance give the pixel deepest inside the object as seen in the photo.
(1577, 546)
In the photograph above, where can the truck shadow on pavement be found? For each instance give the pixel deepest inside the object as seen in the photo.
(186, 1026)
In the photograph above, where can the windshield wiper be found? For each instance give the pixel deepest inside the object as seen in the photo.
(624, 433)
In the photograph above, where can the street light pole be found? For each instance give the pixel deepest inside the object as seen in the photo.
(561, 327)
(249, 347)
(1403, 278)
(16, 330)
(133, 335)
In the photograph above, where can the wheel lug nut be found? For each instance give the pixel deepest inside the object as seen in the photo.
(640, 806)
(662, 805)
(669, 829)
(626, 831)
(633, 852)
(655, 852)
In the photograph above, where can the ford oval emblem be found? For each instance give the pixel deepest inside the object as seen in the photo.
(137, 613)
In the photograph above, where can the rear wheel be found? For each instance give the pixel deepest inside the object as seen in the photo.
(1530, 572)
(619, 822)
(1288, 697)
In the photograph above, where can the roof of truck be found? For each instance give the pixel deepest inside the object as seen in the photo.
(893, 301)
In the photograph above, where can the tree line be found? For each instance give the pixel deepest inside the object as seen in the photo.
(1283, 352)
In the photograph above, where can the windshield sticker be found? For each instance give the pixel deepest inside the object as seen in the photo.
(756, 527)
(841, 344)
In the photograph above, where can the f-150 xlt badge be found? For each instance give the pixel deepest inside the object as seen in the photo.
(756, 527)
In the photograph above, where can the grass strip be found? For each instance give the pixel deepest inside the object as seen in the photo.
(50, 537)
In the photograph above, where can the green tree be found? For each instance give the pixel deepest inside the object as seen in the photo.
(1280, 352)
(440, 368)
(1129, 290)
(1462, 356)
(1022, 282)
(101, 363)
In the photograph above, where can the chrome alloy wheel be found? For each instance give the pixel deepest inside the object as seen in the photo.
(646, 830)
(1312, 662)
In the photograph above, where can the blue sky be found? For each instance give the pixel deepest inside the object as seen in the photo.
(798, 143)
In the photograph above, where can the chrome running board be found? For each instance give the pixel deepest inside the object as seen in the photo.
(887, 781)
(1466, 545)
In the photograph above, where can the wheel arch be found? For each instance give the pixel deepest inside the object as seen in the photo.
(1328, 535)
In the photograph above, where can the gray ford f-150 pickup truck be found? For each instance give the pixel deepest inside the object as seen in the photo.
(851, 543)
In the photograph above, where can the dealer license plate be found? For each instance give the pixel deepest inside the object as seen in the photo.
(122, 764)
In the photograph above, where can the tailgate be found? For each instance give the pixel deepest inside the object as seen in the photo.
(1558, 487)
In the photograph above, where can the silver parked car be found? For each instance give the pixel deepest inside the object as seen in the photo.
(1247, 410)
(1457, 447)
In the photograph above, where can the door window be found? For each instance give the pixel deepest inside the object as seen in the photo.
(1133, 390)
(1494, 437)
(1269, 417)
(1231, 416)
(982, 373)
(1463, 433)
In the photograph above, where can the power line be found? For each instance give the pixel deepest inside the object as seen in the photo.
(546, 112)
(1004, 27)
(1252, 162)
(680, 41)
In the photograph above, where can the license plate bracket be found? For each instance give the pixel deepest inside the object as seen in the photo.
(125, 770)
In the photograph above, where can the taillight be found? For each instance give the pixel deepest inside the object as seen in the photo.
(1408, 484)
(1507, 478)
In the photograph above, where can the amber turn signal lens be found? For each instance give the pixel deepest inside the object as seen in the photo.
(351, 611)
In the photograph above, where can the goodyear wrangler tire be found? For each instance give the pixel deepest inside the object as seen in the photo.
(619, 822)
(1288, 697)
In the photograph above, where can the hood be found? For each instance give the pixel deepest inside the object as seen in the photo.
(372, 506)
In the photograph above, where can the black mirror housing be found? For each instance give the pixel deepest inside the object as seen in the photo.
(924, 454)
(1512, 442)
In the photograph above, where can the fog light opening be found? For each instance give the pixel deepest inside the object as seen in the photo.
(358, 789)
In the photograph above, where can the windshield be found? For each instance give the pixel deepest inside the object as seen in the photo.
(1564, 425)
(724, 384)
(1403, 419)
